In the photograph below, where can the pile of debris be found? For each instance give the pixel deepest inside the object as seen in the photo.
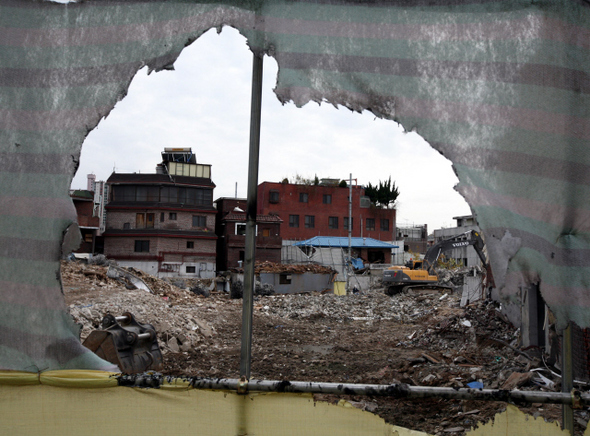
(271, 267)
(424, 339)
(92, 293)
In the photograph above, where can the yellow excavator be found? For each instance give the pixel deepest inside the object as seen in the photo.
(420, 274)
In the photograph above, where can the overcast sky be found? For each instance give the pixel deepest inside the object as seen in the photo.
(205, 104)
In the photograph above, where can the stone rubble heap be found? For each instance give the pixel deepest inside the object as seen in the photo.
(477, 339)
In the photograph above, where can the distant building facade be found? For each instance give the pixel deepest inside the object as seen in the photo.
(88, 221)
(230, 228)
(323, 210)
(163, 223)
(415, 238)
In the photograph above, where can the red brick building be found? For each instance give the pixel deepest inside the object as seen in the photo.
(322, 210)
(230, 228)
(163, 223)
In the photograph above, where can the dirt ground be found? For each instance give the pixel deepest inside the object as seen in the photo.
(368, 338)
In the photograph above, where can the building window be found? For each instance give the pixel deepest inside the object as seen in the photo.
(370, 223)
(284, 279)
(191, 269)
(384, 225)
(333, 222)
(190, 196)
(273, 197)
(309, 221)
(346, 223)
(142, 246)
(293, 220)
(327, 199)
(162, 217)
(166, 194)
(265, 233)
(241, 229)
(172, 216)
(190, 244)
(199, 221)
(303, 197)
(126, 225)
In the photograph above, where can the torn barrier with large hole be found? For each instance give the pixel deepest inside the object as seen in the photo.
(501, 88)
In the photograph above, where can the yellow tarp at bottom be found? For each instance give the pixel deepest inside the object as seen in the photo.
(47, 409)
(514, 422)
(91, 403)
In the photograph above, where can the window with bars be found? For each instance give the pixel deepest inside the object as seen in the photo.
(333, 222)
(199, 221)
(142, 246)
(273, 197)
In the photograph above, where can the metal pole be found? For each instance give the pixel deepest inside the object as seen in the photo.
(348, 271)
(567, 378)
(397, 391)
(250, 249)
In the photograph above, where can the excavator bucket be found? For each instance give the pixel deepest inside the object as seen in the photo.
(130, 345)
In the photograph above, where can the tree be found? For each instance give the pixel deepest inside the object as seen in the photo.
(384, 195)
(298, 179)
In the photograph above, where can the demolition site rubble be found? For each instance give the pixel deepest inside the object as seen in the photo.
(421, 339)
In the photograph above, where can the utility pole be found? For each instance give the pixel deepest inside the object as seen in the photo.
(248, 295)
(347, 263)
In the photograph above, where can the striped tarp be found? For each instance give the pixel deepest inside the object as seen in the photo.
(501, 88)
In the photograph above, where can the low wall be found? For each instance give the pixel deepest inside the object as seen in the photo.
(306, 282)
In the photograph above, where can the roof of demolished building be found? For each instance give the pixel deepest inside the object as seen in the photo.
(342, 241)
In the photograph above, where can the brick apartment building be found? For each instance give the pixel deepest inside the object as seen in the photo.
(415, 238)
(163, 223)
(230, 228)
(322, 210)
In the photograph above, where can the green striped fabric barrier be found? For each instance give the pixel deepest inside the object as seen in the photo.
(501, 88)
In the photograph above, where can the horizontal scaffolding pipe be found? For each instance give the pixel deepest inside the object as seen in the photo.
(574, 398)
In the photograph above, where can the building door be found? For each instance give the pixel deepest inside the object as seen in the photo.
(139, 221)
(149, 221)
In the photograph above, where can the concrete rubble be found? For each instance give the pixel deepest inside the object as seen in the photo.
(414, 338)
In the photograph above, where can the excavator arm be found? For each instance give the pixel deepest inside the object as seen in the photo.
(468, 238)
